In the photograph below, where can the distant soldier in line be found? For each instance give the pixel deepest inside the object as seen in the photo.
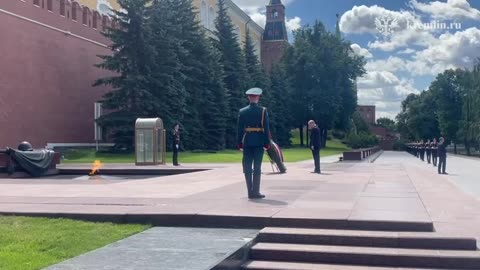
(176, 143)
(253, 138)
(428, 150)
(442, 156)
(417, 149)
(434, 149)
(421, 147)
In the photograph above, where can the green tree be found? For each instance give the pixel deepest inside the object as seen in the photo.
(422, 117)
(204, 117)
(191, 40)
(469, 124)
(403, 116)
(322, 70)
(387, 123)
(447, 91)
(131, 64)
(476, 101)
(280, 89)
(214, 102)
(235, 75)
(168, 81)
(360, 123)
(256, 76)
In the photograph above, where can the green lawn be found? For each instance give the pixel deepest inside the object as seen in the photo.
(227, 156)
(34, 243)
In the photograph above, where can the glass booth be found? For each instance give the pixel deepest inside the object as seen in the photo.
(150, 141)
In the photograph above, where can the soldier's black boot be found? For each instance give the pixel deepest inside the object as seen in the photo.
(248, 181)
(256, 187)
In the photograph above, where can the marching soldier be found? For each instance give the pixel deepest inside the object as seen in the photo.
(421, 147)
(428, 150)
(417, 150)
(434, 151)
(253, 139)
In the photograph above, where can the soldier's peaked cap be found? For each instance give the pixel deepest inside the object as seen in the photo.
(254, 92)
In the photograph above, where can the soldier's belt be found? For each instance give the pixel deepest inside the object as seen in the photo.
(254, 129)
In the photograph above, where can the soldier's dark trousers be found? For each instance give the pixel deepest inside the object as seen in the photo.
(422, 155)
(434, 158)
(442, 164)
(175, 156)
(252, 156)
(316, 158)
(429, 156)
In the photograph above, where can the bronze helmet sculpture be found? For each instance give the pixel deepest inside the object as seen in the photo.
(25, 146)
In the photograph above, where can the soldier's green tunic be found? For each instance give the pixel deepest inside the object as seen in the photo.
(253, 135)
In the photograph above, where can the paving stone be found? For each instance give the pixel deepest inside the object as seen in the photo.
(163, 248)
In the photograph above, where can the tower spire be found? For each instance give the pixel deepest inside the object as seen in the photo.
(337, 29)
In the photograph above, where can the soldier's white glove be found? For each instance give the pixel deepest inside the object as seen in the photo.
(176, 145)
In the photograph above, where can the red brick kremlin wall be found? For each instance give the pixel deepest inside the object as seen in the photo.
(46, 75)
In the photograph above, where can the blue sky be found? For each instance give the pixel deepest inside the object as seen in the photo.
(403, 58)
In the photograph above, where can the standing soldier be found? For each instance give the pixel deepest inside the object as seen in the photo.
(315, 144)
(176, 143)
(253, 138)
(421, 147)
(434, 152)
(442, 156)
(428, 150)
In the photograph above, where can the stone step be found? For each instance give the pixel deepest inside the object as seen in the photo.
(416, 240)
(273, 265)
(367, 256)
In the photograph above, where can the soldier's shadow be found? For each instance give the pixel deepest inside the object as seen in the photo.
(269, 202)
(274, 173)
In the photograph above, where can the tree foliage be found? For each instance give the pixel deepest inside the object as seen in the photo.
(132, 63)
(387, 123)
(322, 69)
(165, 64)
(235, 74)
(449, 108)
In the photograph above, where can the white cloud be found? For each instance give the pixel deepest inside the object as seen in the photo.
(358, 50)
(402, 39)
(458, 50)
(377, 79)
(391, 64)
(363, 19)
(450, 10)
(293, 24)
(259, 18)
(384, 90)
(415, 51)
(407, 51)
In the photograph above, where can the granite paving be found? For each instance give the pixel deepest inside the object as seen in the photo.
(163, 248)
(396, 187)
